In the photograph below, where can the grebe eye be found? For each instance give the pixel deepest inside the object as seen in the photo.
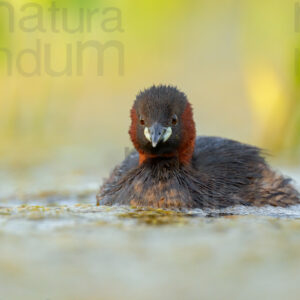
(174, 120)
(142, 122)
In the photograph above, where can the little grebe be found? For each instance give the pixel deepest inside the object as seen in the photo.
(172, 168)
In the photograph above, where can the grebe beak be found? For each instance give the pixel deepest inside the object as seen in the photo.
(157, 133)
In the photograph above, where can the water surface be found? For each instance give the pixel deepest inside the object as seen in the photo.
(56, 244)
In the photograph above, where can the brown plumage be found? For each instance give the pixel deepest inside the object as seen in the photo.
(171, 168)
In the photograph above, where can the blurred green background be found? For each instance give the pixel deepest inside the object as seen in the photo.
(235, 60)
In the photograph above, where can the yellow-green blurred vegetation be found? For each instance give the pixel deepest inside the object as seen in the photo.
(235, 60)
